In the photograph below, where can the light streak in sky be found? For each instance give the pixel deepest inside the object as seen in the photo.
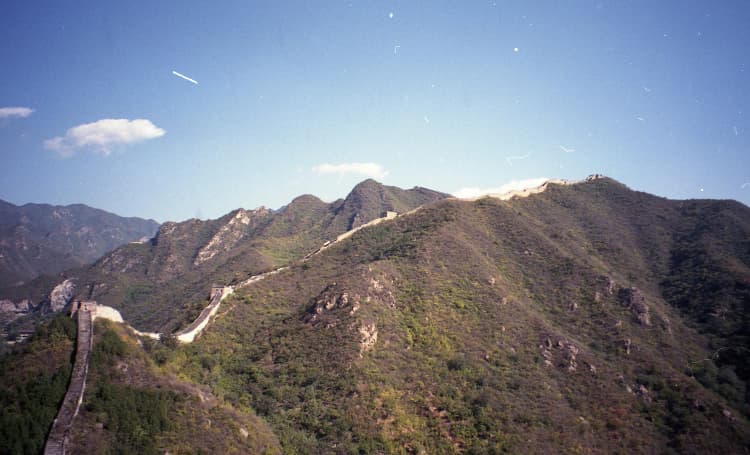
(736, 133)
(185, 77)
(510, 159)
(567, 150)
(395, 49)
(746, 184)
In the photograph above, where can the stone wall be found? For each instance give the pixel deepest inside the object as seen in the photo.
(188, 334)
(388, 216)
(58, 436)
(109, 313)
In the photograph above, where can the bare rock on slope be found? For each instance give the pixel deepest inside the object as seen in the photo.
(60, 296)
(634, 299)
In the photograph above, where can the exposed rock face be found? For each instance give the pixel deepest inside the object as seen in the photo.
(547, 354)
(8, 306)
(569, 352)
(379, 291)
(369, 336)
(606, 286)
(117, 262)
(328, 300)
(10, 310)
(642, 391)
(666, 324)
(334, 304)
(611, 286)
(633, 299)
(60, 296)
(231, 233)
(174, 246)
(570, 355)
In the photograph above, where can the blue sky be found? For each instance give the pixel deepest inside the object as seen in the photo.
(312, 97)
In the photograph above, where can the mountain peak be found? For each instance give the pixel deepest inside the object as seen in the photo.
(370, 199)
(368, 182)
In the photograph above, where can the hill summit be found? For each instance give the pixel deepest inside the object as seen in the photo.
(161, 283)
(584, 317)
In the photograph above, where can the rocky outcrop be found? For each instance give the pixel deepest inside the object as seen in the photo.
(331, 298)
(570, 355)
(634, 299)
(335, 305)
(231, 233)
(22, 306)
(10, 311)
(368, 332)
(60, 297)
(566, 351)
(381, 291)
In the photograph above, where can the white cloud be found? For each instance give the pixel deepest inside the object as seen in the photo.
(514, 185)
(102, 135)
(373, 170)
(10, 112)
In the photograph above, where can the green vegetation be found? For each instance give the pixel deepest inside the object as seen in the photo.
(465, 327)
(33, 380)
(133, 407)
(150, 283)
(133, 416)
(708, 281)
(468, 297)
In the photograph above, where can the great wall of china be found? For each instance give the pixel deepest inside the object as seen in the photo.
(88, 311)
(218, 293)
(61, 426)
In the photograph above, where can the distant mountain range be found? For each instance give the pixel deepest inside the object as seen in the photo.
(38, 239)
(571, 318)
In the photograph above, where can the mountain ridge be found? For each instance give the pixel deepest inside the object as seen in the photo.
(584, 318)
(40, 239)
(475, 325)
(192, 254)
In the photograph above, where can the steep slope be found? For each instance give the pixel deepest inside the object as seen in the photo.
(33, 379)
(161, 284)
(40, 239)
(583, 319)
(131, 406)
